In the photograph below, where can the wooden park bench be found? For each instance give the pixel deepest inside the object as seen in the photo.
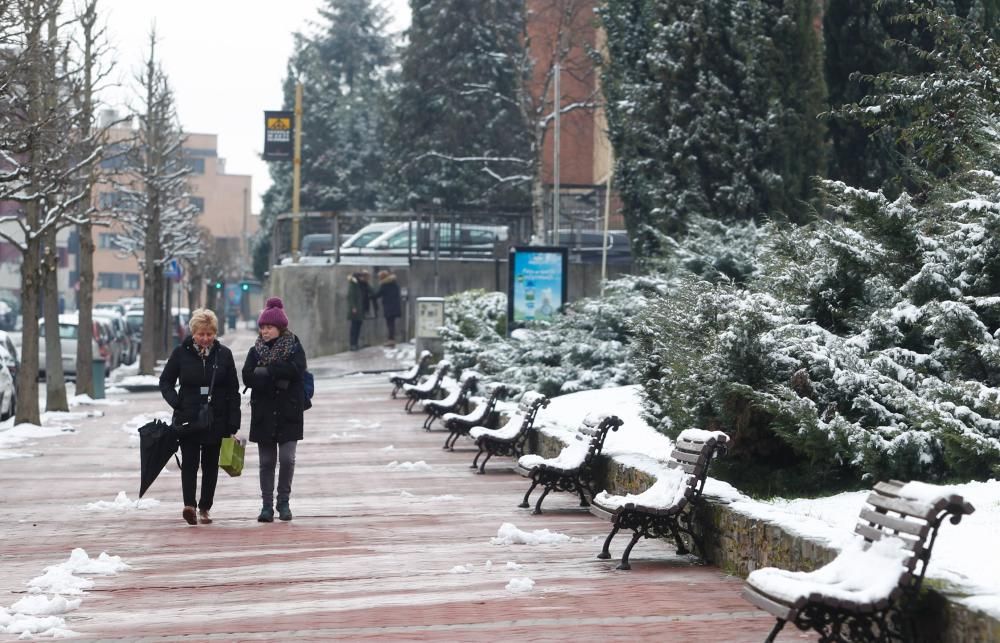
(427, 389)
(574, 469)
(868, 591)
(455, 402)
(509, 439)
(411, 375)
(484, 414)
(667, 507)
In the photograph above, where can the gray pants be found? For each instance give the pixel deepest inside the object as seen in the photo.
(270, 453)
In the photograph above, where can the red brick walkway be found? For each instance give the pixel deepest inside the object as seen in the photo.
(369, 555)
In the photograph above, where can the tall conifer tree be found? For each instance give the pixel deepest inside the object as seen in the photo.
(458, 132)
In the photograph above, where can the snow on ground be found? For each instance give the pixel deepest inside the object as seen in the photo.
(40, 612)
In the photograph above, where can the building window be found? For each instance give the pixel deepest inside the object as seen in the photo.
(199, 151)
(112, 200)
(198, 203)
(115, 157)
(131, 281)
(197, 165)
(112, 280)
(106, 241)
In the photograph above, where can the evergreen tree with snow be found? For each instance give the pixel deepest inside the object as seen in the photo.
(712, 110)
(457, 130)
(866, 348)
(344, 68)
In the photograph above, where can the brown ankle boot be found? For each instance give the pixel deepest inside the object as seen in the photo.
(189, 515)
(203, 517)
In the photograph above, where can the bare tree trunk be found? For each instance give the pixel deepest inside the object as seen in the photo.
(85, 294)
(150, 315)
(27, 384)
(55, 378)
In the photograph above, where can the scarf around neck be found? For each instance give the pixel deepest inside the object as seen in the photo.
(279, 349)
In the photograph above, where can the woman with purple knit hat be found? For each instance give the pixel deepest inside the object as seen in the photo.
(274, 372)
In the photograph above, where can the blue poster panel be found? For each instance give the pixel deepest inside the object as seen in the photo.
(536, 289)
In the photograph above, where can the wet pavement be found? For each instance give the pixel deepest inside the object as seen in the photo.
(376, 551)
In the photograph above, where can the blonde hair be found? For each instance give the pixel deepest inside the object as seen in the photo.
(203, 318)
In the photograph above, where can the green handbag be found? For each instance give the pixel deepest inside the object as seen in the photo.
(231, 456)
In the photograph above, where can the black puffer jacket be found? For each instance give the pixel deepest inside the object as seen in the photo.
(278, 396)
(193, 373)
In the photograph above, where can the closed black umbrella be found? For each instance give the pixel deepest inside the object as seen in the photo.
(157, 442)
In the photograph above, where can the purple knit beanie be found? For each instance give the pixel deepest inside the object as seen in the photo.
(273, 314)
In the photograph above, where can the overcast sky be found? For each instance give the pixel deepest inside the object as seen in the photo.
(225, 59)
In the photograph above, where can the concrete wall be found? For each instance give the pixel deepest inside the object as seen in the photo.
(315, 296)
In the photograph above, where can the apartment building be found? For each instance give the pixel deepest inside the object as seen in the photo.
(223, 201)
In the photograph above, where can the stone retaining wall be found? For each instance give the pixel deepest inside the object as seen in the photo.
(739, 544)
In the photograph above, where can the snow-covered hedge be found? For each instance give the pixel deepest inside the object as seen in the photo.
(583, 349)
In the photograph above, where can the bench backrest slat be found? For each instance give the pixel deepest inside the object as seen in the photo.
(873, 533)
(692, 453)
(914, 520)
(896, 524)
(598, 434)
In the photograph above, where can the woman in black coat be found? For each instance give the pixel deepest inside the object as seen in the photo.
(194, 364)
(388, 292)
(274, 370)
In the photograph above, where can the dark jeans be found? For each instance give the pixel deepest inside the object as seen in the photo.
(355, 332)
(390, 327)
(207, 455)
(270, 454)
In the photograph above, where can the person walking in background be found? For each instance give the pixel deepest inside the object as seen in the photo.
(206, 372)
(388, 292)
(358, 299)
(274, 371)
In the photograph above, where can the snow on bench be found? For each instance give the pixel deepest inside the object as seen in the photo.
(667, 507)
(573, 470)
(869, 590)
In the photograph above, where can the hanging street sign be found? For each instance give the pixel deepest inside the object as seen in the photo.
(278, 136)
(173, 270)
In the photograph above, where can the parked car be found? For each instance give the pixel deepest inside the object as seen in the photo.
(114, 306)
(68, 335)
(122, 338)
(13, 351)
(8, 385)
(461, 238)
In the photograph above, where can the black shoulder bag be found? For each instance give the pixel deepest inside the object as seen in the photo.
(205, 414)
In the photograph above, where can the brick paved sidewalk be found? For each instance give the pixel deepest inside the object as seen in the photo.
(369, 556)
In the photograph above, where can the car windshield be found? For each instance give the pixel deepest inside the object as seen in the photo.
(134, 323)
(362, 239)
(66, 331)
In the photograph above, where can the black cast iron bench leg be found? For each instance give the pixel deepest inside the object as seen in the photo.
(538, 505)
(606, 551)
(628, 550)
(524, 503)
(774, 631)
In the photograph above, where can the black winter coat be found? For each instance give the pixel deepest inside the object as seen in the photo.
(278, 396)
(192, 372)
(388, 292)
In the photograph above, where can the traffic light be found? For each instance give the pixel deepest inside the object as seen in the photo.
(244, 286)
(219, 284)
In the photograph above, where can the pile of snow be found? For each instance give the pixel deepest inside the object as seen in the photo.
(419, 465)
(508, 534)
(122, 504)
(520, 585)
(39, 614)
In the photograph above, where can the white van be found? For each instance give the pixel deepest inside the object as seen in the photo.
(452, 237)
